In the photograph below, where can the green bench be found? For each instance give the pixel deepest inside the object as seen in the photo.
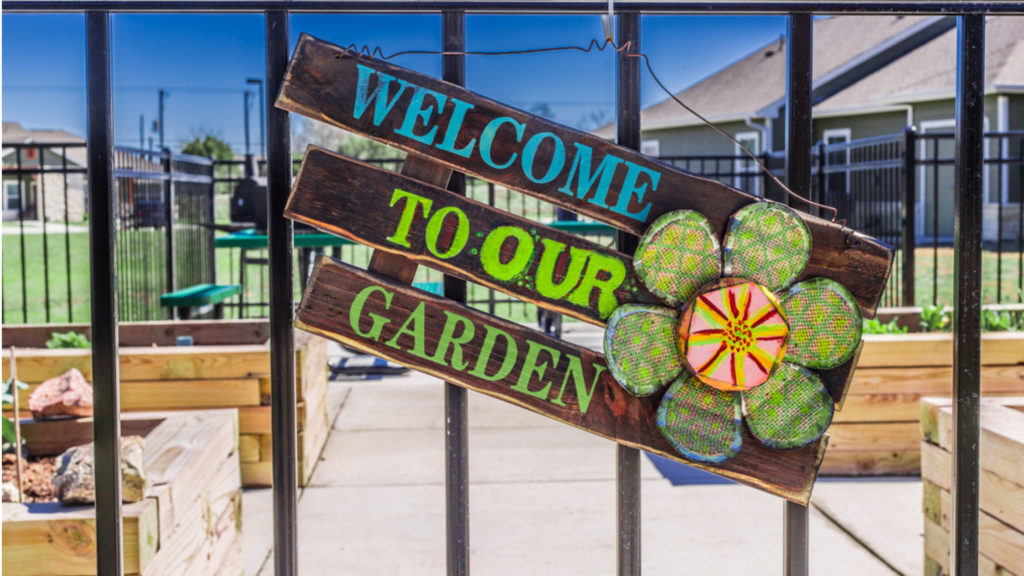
(199, 299)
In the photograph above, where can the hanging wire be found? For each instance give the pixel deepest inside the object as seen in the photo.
(601, 46)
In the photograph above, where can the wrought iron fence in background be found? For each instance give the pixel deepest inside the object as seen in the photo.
(165, 230)
(868, 181)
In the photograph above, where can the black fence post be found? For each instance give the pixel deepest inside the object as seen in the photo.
(103, 282)
(969, 171)
(453, 34)
(169, 200)
(909, 212)
(798, 178)
(284, 419)
(628, 135)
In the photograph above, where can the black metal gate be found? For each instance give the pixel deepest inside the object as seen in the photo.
(969, 168)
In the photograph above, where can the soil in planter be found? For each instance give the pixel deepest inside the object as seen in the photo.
(36, 477)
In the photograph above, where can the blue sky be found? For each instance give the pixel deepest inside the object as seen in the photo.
(203, 62)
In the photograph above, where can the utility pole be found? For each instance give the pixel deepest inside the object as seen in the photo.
(163, 94)
(263, 113)
(142, 130)
(248, 95)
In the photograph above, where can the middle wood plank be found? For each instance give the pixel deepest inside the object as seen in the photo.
(462, 237)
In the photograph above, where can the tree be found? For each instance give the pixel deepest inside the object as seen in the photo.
(210, 147)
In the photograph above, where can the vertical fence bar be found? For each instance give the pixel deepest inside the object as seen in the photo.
(103, 281)
(169, 222)
(798, 178)
(970, 106)
(453, 25)
(628, 134)
(909, 215)
(281, 255)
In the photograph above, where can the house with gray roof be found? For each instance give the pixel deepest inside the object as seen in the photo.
(872, 76)
(51, 168)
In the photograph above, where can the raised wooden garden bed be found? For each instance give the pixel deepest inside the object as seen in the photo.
(878, 431)
(188, 523)
(1001, 521)
(228, 366)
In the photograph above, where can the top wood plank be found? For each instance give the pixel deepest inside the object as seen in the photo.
(573, 169)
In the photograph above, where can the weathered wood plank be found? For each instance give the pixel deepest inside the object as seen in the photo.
(49, 539)
(154, 363)
(1001, 443)
(162, 333)
(52, 437)
(249, 447)
(999, 542)
(575, 386)
(871, 462)
(1003, 498)
(933, 381)
(258, 474)
(465, 238)
(936, 542)
(894, 407)
(912, 350)
(573, 169)
(157, 395)
(890, 436)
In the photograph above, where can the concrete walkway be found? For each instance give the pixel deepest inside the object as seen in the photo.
(542, 501)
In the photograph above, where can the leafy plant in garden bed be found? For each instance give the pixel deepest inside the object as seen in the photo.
(8, 401)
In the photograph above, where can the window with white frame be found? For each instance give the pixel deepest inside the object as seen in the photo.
(746, 174)
(651, 148)
(837, 161)
(12, 197)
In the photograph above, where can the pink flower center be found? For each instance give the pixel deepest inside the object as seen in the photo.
(733, 334)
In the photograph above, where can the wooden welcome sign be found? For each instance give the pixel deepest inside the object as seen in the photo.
(731, 334)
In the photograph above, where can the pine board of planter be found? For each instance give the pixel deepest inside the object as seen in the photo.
(877, 432)
(1001, 490)
(157, 375)
(187, 523)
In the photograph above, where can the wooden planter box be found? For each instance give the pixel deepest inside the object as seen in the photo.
(228, 366)
(877, 432)
(1001, 521)
(188, 523)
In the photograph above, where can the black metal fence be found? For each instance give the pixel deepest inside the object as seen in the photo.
(164, 236)
(969, 165)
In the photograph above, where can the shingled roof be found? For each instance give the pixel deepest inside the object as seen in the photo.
(929, 72)
(858, 61)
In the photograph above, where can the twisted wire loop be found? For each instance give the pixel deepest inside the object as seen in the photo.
(601, 46)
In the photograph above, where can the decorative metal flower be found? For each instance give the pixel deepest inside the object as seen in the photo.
(737, 339)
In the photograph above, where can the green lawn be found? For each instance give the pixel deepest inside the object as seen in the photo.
(147, 291)
(925, 292)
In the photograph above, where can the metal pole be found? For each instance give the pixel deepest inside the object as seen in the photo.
(282, 304)
(142, 130)
(163, 93)
(103, 285)
(970, 106)
(263, 114)
(798, 178)
(248, 152)
(453, 25)
(627, 477)
(169, 202)
(909, 212)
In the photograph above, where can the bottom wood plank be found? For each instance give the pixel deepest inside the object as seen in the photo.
(257, 474)
(49, 539)
(522, 366)
(869, 462)
(1001, 543)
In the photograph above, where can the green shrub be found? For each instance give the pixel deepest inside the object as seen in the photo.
(67, 340)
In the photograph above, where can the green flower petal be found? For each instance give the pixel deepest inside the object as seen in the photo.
(678, 254)
(640, 346)
(790, 410)
(767, 243)
(824, 323)
(701, 423)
